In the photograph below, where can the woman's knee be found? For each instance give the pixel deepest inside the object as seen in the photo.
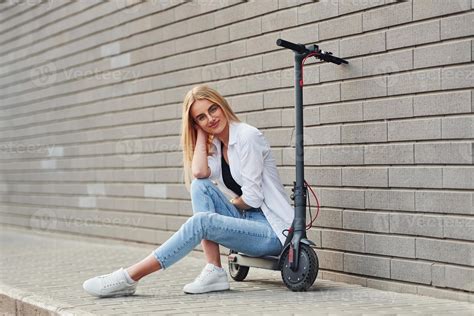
(200, 221)
(200, 185)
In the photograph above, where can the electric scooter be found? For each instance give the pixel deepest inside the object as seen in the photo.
(297, 261)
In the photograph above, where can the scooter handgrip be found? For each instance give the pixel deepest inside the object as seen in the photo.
(333, 59)
(296, 47)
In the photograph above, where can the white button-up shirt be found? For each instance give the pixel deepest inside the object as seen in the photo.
(253, 167)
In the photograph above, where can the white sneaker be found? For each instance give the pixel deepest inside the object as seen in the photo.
(211, 279)
(112, 284)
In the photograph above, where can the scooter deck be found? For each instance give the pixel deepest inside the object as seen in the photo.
(265, 262)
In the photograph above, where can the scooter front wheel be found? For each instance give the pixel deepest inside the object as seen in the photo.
(237, 272)
(305, 275)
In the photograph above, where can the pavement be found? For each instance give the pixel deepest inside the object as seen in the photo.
(42, 274)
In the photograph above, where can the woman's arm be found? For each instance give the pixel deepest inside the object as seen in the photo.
(199, 165)
(239, 203)
(253, 148)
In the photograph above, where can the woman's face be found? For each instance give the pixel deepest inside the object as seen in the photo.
(209, 116)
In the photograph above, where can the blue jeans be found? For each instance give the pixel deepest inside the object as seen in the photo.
(218, 220)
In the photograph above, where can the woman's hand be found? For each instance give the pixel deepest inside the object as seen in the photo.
(239, 203)
(200, 132)
(199, 165)
(201, 139)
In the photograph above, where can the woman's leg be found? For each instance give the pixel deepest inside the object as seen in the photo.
(206, 197)
(212, 252)
(252, 237)
(143, 268)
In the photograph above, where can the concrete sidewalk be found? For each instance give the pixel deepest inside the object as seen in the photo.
(42, 274)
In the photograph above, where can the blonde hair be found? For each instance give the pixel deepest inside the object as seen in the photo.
(189, 134)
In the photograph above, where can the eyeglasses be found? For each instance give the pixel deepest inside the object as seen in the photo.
(203, 118)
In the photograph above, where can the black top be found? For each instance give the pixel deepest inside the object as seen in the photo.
(227, 176)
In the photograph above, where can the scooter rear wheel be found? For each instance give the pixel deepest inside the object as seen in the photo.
(237, 272)
(305, 275)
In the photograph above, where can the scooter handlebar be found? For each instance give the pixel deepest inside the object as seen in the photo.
(300, 48)
(332, 59)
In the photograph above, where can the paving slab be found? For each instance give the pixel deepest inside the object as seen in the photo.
(42, 274)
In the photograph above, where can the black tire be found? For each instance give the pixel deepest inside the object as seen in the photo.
(237, 272)
(304, 277)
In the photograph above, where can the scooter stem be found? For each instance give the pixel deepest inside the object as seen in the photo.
(299, 222)
(298, 231)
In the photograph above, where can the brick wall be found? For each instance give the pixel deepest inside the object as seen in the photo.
(90, 120)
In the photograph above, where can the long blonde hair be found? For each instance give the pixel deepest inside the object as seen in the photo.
(189, 134)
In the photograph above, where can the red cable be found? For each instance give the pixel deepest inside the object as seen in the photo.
(308, 226)
(317, 203)
(302, 64)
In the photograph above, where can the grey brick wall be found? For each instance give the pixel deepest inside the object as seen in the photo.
(90, 96)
